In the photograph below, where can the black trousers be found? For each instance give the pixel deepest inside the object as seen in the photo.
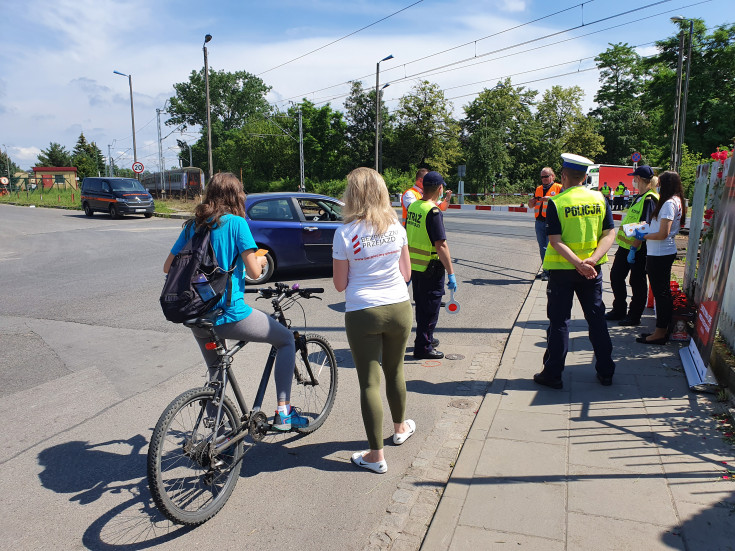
(563, 285)
(658, 269)
(638, 284)
(427, 295)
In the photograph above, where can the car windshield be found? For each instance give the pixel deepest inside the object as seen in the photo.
(128, 184)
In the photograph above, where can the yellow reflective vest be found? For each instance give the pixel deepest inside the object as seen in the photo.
(633, 216)
(581, 212)
(420, 248)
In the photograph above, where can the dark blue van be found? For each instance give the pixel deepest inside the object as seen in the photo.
(116, 196)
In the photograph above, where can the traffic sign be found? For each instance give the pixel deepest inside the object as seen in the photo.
(4, 181)
(138, 167)
(635, 157)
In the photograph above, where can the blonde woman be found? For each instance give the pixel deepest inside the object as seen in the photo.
(372, 266)
(631, 254)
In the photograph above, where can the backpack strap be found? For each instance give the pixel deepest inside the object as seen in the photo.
(229, 279)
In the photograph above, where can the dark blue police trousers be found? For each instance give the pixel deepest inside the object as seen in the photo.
(427, 295)
(563, 285)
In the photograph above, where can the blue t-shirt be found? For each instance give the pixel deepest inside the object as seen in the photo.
(231, 237)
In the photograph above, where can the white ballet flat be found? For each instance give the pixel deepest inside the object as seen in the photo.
(400, 437)
(379, 467)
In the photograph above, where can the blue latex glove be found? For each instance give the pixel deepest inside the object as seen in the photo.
(452, 285)
(631, 255)
(639, 235)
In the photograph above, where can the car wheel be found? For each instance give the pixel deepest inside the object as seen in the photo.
(87, 209)
(114, 213)
(270, 267)
(148, 214)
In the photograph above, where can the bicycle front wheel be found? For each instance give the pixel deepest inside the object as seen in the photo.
(190, 481)
(314, 396)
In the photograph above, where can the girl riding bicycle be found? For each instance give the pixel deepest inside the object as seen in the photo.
(223, 210)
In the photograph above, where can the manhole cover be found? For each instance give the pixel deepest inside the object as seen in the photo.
(454, 356)
(462, 403)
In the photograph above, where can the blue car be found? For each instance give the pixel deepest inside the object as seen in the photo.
(296, 229)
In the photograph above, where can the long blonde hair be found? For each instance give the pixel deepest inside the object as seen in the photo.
(366, 199)
(649, 183)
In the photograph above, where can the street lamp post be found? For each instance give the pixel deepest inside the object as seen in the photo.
(682, 118)
(377, 107)
(380, 131)
(132, 111)
(7, 161)
(207, 38)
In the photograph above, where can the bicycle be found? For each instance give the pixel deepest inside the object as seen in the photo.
(196, 450)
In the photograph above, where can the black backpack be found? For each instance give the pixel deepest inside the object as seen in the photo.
(195, 281)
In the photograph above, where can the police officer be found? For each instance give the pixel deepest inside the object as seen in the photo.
(429, 252)
(416, 192)
(619, 196)
(631, 254)
(605, 190)
(580, 228)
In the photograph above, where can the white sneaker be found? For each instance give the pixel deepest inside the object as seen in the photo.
(379, 467)
(400, 437)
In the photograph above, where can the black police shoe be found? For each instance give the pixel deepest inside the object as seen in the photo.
(612, 315)
(605, 380)
(541, 379)
(432, 355)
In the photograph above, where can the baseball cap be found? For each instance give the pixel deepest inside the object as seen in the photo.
(434, 179)
(644, 171)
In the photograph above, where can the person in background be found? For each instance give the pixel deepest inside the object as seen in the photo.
(417, 191)
(580, 227)
(626, 198)
(223, 210)
(666, 221)
(631, 257)
(619, 197)
(605, 190)
(371, 264)
(538, 202)
(430, 258)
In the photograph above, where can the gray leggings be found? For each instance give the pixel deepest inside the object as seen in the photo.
(257, 327)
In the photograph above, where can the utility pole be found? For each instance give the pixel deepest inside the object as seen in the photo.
(207, 38)
(109, 157)
(160, 151)
(677, 106)
(302, 186)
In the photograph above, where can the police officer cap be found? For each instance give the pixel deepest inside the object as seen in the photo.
(433, 178)
(575, 162)
(644, 171)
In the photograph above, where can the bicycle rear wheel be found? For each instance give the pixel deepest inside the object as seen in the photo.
(315, 401)
(190, 481)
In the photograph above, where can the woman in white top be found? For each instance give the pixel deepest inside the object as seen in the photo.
(372, 266)
(666, 220)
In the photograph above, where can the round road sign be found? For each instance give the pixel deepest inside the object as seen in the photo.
(635, 157)
(4, 181)
(138, 168)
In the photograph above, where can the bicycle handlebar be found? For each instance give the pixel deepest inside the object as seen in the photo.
(269, 292)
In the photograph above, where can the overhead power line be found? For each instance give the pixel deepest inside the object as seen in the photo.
(466, 60)
(339, 39)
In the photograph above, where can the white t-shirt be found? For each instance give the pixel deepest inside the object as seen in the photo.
(671, 210)
(374, 278)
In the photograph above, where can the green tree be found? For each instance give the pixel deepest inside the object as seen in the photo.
(498, 130)
(425, 134)
(7, 166)
(360, 119)
(710, 115)
(619, 114)
(326, 155)
(87, 157)
(233, 97)
(565, 128)
(54, 155)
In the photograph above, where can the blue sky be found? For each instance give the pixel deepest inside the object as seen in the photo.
(57, 56)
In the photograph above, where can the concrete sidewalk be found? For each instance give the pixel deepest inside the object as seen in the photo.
(637, 465)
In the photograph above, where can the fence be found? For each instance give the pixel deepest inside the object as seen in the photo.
(708, 190)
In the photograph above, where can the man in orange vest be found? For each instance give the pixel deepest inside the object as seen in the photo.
(539, 201)
(417, 192)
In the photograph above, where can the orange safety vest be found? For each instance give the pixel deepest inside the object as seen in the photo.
(540, 206)
(417, 193)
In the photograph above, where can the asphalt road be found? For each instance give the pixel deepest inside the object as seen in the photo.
(87, 364)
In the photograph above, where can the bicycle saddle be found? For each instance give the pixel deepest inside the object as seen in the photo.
(207, 320)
